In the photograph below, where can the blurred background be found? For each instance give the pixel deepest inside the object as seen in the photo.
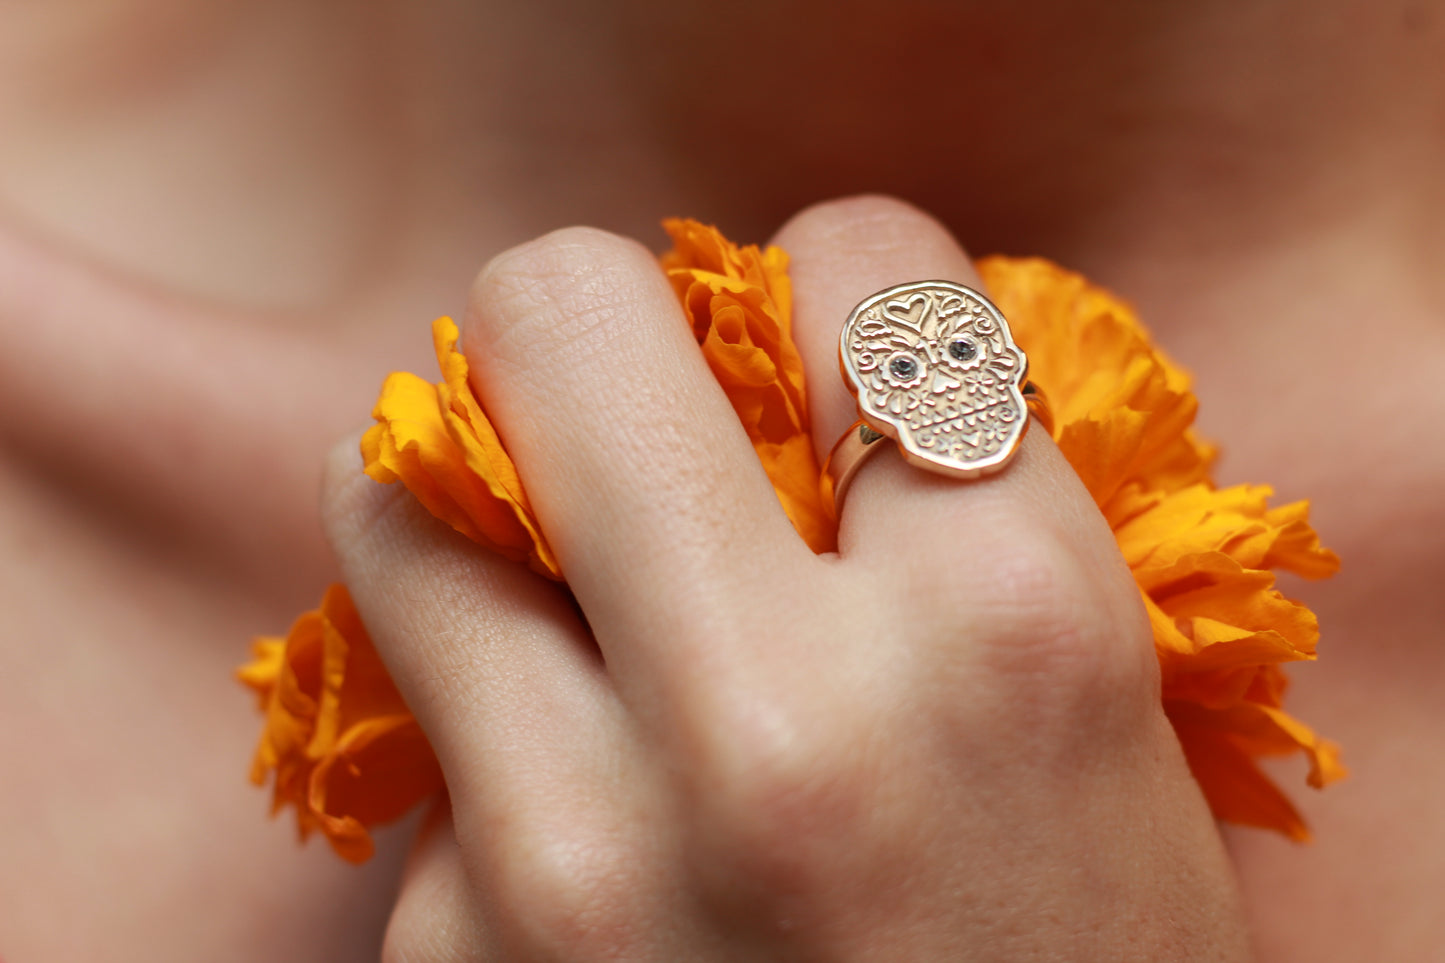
(222, 223)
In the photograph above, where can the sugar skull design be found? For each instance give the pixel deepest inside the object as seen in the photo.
(933, 365)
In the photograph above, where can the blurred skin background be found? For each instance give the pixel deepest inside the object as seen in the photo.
(222, 223)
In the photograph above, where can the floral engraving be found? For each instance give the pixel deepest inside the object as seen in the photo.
(934, 366)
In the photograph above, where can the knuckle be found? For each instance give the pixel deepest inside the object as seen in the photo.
(405, 941)
(868, 223)
(1051, 630)
(354, 509)
(571, 287)
(341, 474)
(573, 894)
(433, 919)
(774, 793)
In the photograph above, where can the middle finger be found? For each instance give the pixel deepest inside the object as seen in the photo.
(637, 466)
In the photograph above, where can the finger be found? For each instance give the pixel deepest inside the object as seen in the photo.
(925, 531)
(434, 919)
(490, 658)
(635, 461)
(560, 813)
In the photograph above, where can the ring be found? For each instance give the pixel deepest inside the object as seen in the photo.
(934, 367)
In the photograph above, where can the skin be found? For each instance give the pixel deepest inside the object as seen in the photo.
(1267, 179)
(891, 753)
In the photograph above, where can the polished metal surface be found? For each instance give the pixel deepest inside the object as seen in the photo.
(934, 367)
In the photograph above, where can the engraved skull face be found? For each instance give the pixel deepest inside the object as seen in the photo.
(933, 365)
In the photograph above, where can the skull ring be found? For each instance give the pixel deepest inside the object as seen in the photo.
(934, 367)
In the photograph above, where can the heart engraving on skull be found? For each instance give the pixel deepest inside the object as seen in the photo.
(933, 364)
(908, 313)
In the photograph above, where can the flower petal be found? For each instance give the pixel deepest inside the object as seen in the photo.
(344, 749)
(1236, 789)
(436, 440)
(378, 770)
(739, 303)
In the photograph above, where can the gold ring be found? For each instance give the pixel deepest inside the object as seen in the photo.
(934, 367)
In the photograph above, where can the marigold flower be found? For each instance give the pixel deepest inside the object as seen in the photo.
(739, 301)
(348, 756)
(1203, 558)
(435, 439)
(345, 750)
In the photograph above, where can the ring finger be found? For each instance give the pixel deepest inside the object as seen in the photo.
(922, 533)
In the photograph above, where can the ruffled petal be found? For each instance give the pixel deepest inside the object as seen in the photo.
(435, 439)
(339, 742)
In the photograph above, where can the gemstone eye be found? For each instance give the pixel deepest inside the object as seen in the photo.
(903, 368)
(964, 349)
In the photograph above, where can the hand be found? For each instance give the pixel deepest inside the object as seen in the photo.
(943, 743)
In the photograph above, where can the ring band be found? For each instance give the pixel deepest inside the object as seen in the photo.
(934, 367)
(860, 441)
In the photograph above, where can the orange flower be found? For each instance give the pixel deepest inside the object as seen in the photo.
(437, 441)
(739, 301)
(1203, 558)
(345, 750)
